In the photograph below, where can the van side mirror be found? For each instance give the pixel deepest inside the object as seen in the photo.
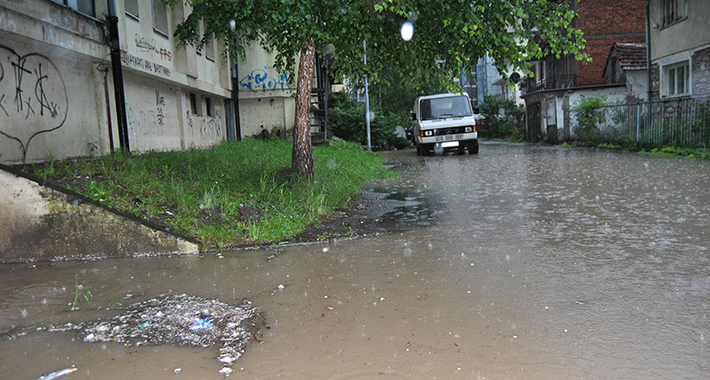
(414, 116)
(476, 110)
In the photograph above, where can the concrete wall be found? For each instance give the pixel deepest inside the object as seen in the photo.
(685, 41)
(690, 34)
(42, 224)
(56, 71)
(265, 95)
(557, 121)
(161, 80)
(51, 95)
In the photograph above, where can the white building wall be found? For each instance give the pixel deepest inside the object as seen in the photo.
(57, 91)
(265, 95)
(50, 91)
(161, 82)
(558, 115)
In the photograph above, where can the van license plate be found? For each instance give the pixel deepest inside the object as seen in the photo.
(449, 144)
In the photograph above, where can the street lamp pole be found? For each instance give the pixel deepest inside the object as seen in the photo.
(367, 100)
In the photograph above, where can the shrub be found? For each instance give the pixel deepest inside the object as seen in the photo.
(588, 116)
(347, 121)
(507, 119)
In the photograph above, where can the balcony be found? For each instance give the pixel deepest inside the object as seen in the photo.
(552, 83)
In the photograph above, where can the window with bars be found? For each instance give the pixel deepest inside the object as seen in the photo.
(678, 79)
(673, 11)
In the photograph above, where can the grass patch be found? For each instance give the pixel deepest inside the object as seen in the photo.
(670, 151)
(224, 195)
(679, 152)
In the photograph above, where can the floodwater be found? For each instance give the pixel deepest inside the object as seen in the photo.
(524, 262)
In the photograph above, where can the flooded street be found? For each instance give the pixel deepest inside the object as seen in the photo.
(524, 262)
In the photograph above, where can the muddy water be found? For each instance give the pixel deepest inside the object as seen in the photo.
(525, 263)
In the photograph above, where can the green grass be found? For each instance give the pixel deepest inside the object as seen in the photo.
(225, 195)
(700, 153)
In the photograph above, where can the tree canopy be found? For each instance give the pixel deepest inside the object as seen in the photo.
(448, 35)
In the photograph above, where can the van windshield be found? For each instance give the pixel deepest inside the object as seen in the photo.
(442, 108)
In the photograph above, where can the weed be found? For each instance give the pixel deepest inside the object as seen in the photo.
(86, 295)
(609, 146)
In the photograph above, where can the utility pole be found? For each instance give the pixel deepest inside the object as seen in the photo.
(367, 100)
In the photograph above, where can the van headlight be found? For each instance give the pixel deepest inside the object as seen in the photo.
(468, 129)
(426, 133)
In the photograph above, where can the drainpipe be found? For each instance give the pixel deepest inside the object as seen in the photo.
(648, 47)
(117, 76)
(235, 98)
(105, 70)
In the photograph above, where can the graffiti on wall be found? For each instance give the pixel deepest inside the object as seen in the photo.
(33, 97)
(205, 130)
(130, 60)
(266, 79)
(145, 121)
(147, 45)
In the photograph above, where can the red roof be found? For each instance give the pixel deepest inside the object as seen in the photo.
(631, 57)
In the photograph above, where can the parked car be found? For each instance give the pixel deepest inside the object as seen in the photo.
(444, 122)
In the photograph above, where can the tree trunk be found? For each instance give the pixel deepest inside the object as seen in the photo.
(302, 155)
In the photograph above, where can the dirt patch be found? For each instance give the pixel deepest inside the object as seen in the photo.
(370, 214)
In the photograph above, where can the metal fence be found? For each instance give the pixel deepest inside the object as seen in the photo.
(678, 122)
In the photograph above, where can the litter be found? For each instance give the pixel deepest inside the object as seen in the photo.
(56, 374)
(181, 320)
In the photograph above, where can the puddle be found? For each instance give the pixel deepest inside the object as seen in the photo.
(523, 262)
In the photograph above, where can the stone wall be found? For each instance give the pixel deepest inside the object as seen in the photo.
(701, 72)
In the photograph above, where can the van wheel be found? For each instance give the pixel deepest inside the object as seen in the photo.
(473, 149)
(420, 150)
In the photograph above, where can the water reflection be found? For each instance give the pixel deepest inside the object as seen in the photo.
(543, 263)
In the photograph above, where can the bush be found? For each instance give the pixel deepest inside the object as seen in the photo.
(589, 116)
(347, 121)
(507, 119)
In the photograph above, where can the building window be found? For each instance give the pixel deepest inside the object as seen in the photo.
(678, 79)
(86, 7)
(195, 105)
(209, 48)
(160, 18)
(673, 11)
(132, 8)
(199, 33)
(209, 106)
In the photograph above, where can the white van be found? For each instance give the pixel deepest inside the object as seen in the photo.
(444, 122)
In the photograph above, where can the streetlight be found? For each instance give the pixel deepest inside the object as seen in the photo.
(367, 100)
(407, 31)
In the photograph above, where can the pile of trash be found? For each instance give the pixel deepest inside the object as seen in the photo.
(185, 321)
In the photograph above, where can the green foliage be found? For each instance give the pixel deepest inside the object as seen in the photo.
(506, 119)
(347, 121)
(447, 33)
(589, 116)
(678, 152)
(78, 294)
(609, 146)
(227, 194)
